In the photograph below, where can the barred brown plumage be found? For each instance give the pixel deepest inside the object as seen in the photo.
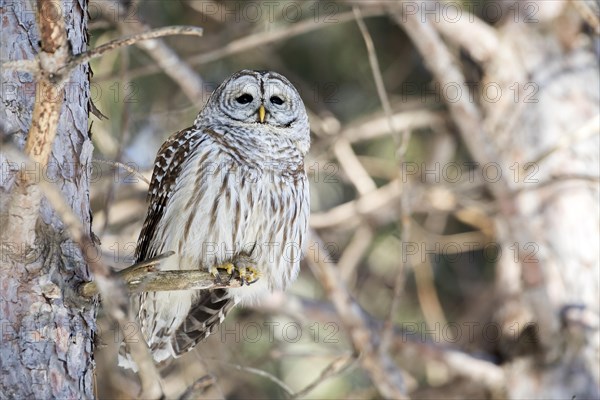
(231, 188)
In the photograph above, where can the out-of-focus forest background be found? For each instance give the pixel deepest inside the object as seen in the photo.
(454, 193)
(405, 213)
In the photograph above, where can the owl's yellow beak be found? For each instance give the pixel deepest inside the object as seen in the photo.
(261, 113)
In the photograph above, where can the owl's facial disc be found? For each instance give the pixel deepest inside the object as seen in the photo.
(261, 97)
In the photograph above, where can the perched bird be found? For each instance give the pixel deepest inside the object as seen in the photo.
(229, 193)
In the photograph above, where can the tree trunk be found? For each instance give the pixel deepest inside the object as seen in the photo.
(544, 135)
(47, 330)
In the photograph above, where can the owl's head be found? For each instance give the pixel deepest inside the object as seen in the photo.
(263, 100)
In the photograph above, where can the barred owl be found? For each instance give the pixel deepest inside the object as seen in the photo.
(230, 191)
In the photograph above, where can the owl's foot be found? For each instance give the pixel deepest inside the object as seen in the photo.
(240, 269)
(225, 270)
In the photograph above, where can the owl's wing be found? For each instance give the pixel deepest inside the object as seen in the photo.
(168, 164)
(209, 307)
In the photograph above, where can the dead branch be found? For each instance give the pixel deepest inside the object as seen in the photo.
(407, 347)
(336, 367)
(464, 30)
(376, 70)
(126, 167)
(589, 13)
(67, 65)
(128, 41)
(143, 279)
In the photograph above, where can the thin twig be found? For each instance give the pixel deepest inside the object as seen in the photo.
(196, 389)
(288, 391)
(124, 166)
(336, 367)
(128, 41)
(354, 252)
(374, 63)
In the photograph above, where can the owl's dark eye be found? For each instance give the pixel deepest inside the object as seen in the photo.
(276, 100)
(244, 99)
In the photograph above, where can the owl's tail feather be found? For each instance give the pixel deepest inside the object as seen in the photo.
(206, 313)
(208, 309)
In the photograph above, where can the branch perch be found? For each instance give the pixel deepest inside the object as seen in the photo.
(141, 277)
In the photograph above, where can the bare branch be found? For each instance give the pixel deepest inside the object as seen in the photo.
(126, 167)
(288, 391)
(141, 279)
(128, 41)
(590, 15)
(464, 30)
(354, 252)
(376, 70)
(401, 146)
(376, 127)
(336, 367)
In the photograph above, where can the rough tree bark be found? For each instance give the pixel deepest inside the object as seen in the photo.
(47, 330)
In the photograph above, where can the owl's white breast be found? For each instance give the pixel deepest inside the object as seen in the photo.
(221, 208)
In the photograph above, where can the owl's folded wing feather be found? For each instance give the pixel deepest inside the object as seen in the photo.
(169, 161)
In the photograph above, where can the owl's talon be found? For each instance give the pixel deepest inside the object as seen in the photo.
(248, 275)
(229, 269)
